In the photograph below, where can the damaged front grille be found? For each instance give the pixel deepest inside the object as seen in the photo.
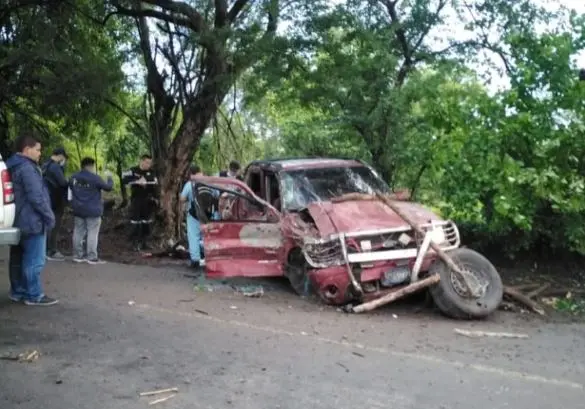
(378, 245)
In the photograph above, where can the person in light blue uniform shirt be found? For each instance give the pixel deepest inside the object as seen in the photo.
(193, 223)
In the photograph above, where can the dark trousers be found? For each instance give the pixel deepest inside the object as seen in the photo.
(141, 219)
(52, 237)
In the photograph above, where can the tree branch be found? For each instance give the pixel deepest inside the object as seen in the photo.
(221, 13)
(236, 9)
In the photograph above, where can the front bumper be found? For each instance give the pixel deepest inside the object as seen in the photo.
(9, 236)
(407, 247)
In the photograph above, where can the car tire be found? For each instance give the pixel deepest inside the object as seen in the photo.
(450, 302)
(296, 273)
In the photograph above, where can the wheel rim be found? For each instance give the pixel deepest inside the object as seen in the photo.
(476, 280)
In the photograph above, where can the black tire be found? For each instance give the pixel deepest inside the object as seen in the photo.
(296, 273)
(455, 305)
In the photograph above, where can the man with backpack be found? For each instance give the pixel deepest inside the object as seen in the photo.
(85, 194)
(189, 197)
(56, 182)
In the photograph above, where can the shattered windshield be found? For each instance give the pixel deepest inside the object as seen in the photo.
(302, 187)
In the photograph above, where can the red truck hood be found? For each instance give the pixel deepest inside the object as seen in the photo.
(355, 216)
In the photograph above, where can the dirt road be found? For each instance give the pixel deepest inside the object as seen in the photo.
(120, 330)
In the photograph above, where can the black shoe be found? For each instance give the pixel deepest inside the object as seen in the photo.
(195, 264)
(43, 301)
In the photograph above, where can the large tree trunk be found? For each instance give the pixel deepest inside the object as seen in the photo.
(175, 173)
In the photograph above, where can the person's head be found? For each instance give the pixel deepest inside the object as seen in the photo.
(194, 171)
(28, 146)
(88, 164)
(59, 155)
(234, 168)
(145, 162)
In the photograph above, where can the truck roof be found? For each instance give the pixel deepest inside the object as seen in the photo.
(305, 163)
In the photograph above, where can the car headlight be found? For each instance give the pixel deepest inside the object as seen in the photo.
(438, 235)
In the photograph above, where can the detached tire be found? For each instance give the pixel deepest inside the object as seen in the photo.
(449, 296)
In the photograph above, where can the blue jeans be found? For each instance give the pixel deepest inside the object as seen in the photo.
(26, 263)
(194, 238)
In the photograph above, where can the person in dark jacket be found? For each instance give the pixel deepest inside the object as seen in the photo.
(85, 194)
(34, 217)
(143, 184)
(54, 176)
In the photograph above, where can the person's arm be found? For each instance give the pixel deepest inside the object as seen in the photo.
(107, 185)
(185, 192)
(35, 195)
(58, 175)
(129, 177)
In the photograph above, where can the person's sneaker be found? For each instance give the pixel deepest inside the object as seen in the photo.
(43, 301)
(56, 256)
(79, 260)
(202, 262)
(14, 298)
(96, 261)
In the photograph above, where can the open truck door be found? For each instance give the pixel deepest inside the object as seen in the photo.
(241, 233)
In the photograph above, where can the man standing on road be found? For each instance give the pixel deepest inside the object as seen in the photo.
(193, 224)
(54, 176)
(143, 184)
(233, 171)
(34, 217)
(85, 194)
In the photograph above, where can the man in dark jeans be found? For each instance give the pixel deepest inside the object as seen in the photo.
(57, 184)
(34, 218)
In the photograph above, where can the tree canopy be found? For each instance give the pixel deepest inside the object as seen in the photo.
(476, 106)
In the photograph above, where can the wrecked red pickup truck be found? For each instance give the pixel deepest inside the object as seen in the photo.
(299, 218)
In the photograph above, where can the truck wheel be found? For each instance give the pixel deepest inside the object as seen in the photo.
(450, 295)
(296, 272)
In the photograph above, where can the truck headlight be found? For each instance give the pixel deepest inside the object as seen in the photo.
(438, 235)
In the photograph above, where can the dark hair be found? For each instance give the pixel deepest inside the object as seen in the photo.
(25, 141)
(234, 166)
(194, 169)
(145, 156)
(85, 162)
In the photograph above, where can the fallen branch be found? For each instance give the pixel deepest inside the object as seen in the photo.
(387, 200)
(524, 287)
(159, 391)
(409, 289)
(538, 291)
(477, 334)
(442, 255)
(521, 298)
(154, 402)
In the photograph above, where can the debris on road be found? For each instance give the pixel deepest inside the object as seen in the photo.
(254, 291)
(478, 334)
(517, 296)
(159, 392)
(233, 307)
(358, 354)
(166, 398)
(131, 302)
(201, 312)
(409, 289)
(27, 356)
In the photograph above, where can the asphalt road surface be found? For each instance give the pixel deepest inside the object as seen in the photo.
(122, 330)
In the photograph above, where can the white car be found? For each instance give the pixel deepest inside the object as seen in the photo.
(9, 235)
